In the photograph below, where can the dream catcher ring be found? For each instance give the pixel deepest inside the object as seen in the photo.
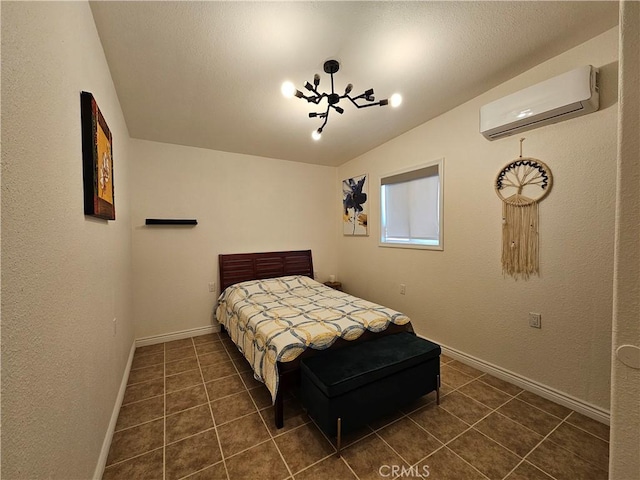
(524, 173)
(521, 184)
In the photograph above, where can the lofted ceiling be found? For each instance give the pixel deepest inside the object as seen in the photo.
(208, 74)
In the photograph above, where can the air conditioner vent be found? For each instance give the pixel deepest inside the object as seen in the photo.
(566, 96)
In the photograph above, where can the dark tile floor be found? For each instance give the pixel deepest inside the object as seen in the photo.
(193, 410)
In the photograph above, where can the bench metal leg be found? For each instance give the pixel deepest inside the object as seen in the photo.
(438, 391)
(339, 439)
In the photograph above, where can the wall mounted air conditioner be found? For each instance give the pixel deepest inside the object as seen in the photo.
(566, 96)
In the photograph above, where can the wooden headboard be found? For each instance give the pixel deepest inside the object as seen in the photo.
(241, 267)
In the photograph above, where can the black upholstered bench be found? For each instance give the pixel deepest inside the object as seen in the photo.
(346, 388)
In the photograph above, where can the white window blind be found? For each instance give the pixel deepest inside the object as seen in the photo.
(411, 208)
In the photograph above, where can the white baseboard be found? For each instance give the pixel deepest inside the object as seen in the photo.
(104, 452)
(549, 393)
(167, 337)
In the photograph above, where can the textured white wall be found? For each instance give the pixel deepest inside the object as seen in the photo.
(458, 296)
(625, 389)
(64, 276)
(242, 204)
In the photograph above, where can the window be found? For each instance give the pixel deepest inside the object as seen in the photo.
(411, 207)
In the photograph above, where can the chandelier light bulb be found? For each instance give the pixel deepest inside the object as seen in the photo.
(395, 100)
(288, 89)
(316, 135)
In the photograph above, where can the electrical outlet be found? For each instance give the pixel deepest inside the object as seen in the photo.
(212, 287)
(115, 326)
(403, 289)
(535, 320)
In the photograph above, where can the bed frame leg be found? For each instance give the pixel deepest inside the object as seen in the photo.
(339, 438)
(438, 391)
(279, 411)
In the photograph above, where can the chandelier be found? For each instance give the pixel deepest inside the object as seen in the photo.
(363, 100)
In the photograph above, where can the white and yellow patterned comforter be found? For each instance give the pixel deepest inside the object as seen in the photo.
(275, 320)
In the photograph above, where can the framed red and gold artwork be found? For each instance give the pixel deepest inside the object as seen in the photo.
(97, 161)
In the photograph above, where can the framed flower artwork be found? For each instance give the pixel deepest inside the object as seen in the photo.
(354, 206)
(97, 160)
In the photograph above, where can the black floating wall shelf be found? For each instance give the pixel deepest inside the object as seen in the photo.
(169, 221)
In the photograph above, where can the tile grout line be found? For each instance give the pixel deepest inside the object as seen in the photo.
(190, 436)
(213, 418)
(471, 426)
(533, 465)
(237, 418)
(119, 462)
(580, 456)
(495, 410)
(146, 381)
(524, 458)
(135, 369)
(155, 419)
(349, 467)
(442, 444)
(375, 432)
(540, 408)
(271, 438)
(244, 450)
(308, 467)
(404, 415)
(142, 400)
(212, 428)
(562, 421)
(584, 430)
(445, 445)
(195, 384)
(465, 461)
(519, 424)
(345, 447)
(576, 454)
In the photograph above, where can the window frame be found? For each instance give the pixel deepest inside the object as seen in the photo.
(440, 246)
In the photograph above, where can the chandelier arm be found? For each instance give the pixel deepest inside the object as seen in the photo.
(318, 96)
(323, 124)
(351, 99)
(370, 105)
(326, 119)
(316, 92)
(359, 97)
(315, 99)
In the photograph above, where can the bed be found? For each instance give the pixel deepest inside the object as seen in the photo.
(276, 315)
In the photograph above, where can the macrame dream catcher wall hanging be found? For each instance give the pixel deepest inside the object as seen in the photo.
(521, 184)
